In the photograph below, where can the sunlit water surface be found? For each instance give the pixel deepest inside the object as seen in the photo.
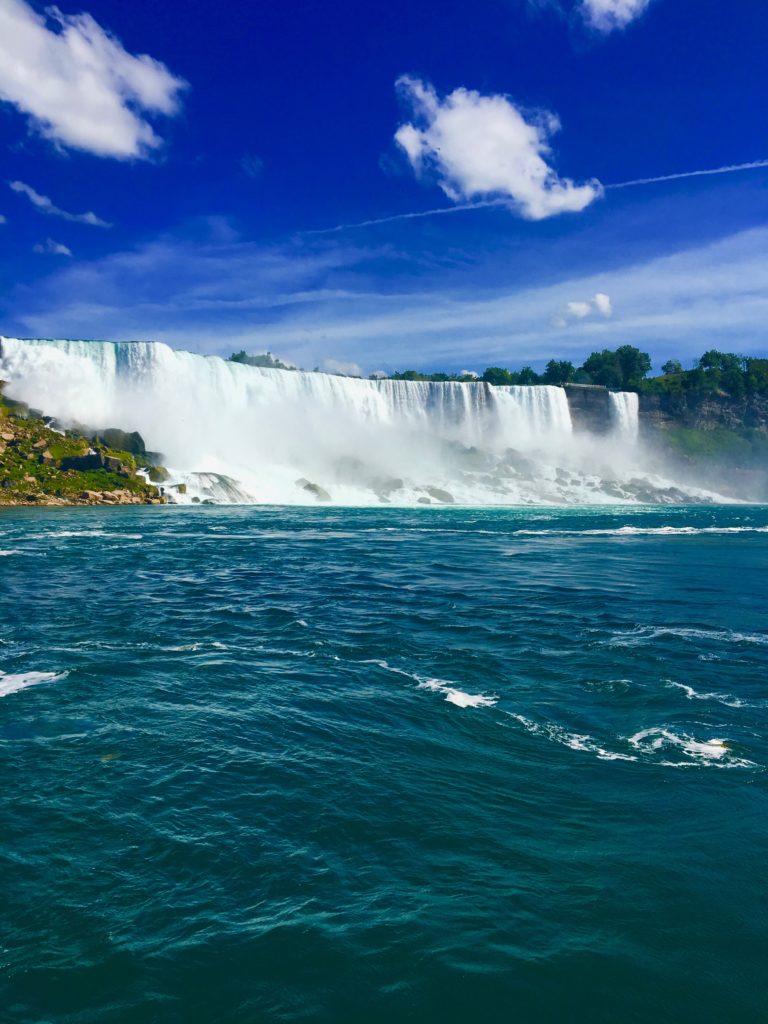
(381, 765)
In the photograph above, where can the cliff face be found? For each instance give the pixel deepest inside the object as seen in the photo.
(590, 407)
(704, 412)
(591, 411)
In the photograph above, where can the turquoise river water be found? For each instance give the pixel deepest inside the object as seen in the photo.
(339, 765)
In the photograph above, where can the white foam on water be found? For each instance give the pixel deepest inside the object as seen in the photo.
(643, 531)
(710, 751)
(13, 682)
(56, 534)
(646, 634)
(10, 551)
(572, 740)
(452, 693)
(720, 698)
(458, 697)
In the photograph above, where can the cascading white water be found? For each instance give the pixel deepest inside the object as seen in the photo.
(625, 406)
(268, 433)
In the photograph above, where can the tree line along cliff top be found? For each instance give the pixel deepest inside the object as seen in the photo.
(625, 368)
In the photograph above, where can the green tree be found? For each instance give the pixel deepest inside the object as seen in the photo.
(603, 368)
(634, 365)
(625, 368)
(724, 370)
(672, 366)
(498, 376)
(409, 375)
(558, 371)
(527, 376)
(756, 375)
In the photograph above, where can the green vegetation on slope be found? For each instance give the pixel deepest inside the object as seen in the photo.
(35, 466)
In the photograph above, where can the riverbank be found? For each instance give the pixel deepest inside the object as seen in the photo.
(40, 466)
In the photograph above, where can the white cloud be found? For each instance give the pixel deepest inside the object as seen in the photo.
(599, 305)
(603, 304)
(46, 205)
(607, 15)
(3, 219)
(78, 85)
(482, 146)
(52, 248)
(578, 309)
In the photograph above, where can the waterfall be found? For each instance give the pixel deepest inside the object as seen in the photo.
(155, 389)
(231, 432)
(625, 414)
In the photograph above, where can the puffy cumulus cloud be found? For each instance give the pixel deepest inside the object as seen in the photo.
(599, 305)
(51, 248)
(78, 85)
(607, 15)
(603, 305)
(46, 205)
(480, 147)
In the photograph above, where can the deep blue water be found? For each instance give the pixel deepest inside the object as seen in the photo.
(374, 766)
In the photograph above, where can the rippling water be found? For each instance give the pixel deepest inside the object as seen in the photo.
(359, 765)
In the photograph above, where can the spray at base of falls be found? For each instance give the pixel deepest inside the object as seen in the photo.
(235, 433)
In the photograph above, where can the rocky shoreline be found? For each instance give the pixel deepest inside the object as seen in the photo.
(43, 466)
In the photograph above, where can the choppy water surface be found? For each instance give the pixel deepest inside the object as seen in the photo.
(359, 765)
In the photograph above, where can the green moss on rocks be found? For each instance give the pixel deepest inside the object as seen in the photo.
(32, 467)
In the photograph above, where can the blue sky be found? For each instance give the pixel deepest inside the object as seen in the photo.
(245, 175)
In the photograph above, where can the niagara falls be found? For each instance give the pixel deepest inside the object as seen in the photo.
(383, 512)
(233, 433)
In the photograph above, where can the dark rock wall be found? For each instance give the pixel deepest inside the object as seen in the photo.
(590, 407)
(703, 412)
(591, 411)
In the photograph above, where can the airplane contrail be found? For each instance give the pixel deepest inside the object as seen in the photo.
(458, 208)
(728, 169)
(483, 204)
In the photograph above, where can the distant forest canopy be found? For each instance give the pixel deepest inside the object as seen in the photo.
(623, 369)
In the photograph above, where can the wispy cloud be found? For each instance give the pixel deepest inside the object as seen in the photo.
(46, 205)
(78, 85)
(486, 147)
(52, 248)
(310, 301)
(252, 165)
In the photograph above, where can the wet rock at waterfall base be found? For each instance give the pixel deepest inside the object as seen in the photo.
(315, 489)
(440, 495)
(386, 486)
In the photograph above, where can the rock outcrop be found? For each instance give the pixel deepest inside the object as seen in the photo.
(697, 411)
(590, 407)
